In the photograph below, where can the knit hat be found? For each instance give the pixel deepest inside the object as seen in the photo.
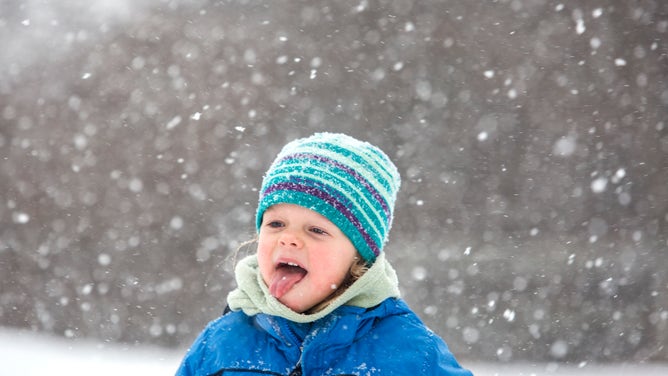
(350, 182)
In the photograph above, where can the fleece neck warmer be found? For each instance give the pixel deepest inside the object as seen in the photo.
(252, 294)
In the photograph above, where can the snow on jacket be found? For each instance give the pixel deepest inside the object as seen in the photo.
(388, 339)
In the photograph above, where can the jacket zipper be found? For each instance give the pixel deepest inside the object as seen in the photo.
(297, 371)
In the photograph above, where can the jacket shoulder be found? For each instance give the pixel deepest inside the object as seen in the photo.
(408, 344)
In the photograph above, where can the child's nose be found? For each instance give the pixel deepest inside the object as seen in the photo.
(289, 239)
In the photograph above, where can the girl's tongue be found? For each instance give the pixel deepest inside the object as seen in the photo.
(285, 277)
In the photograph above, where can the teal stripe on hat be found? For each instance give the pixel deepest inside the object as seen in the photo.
(371, 212)
(371, 166)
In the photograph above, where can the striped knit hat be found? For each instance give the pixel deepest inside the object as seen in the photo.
(350, 182)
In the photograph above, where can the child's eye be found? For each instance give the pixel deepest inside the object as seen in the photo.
(274, 224)
(318, 231)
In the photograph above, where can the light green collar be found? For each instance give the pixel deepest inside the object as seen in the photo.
(252, 295)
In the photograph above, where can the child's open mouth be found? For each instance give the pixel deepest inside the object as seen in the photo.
(287, 275)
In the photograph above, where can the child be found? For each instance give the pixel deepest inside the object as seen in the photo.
(319, 297)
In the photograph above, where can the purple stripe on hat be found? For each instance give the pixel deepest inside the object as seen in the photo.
(348, 170)
(331, 200)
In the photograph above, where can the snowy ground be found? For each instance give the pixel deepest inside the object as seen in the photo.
(527, 369)
(26, 353)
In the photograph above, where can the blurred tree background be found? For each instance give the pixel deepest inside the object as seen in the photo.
(531, 135)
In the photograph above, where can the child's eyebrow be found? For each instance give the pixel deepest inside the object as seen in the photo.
(270, 211)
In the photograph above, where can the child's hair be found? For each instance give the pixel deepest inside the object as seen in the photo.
(350, 182)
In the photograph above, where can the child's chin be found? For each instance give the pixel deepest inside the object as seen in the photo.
(294, 304)
(296, 308)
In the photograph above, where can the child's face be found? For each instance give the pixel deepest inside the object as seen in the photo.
(303, 257)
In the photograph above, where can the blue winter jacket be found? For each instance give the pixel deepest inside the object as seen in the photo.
(388, 339)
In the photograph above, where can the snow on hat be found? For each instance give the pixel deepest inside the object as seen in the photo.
(350, 182)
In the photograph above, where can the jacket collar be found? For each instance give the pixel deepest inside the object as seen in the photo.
(342, 326)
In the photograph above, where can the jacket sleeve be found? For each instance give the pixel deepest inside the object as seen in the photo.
(191, 364)
(443, 360)
(415, 348)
